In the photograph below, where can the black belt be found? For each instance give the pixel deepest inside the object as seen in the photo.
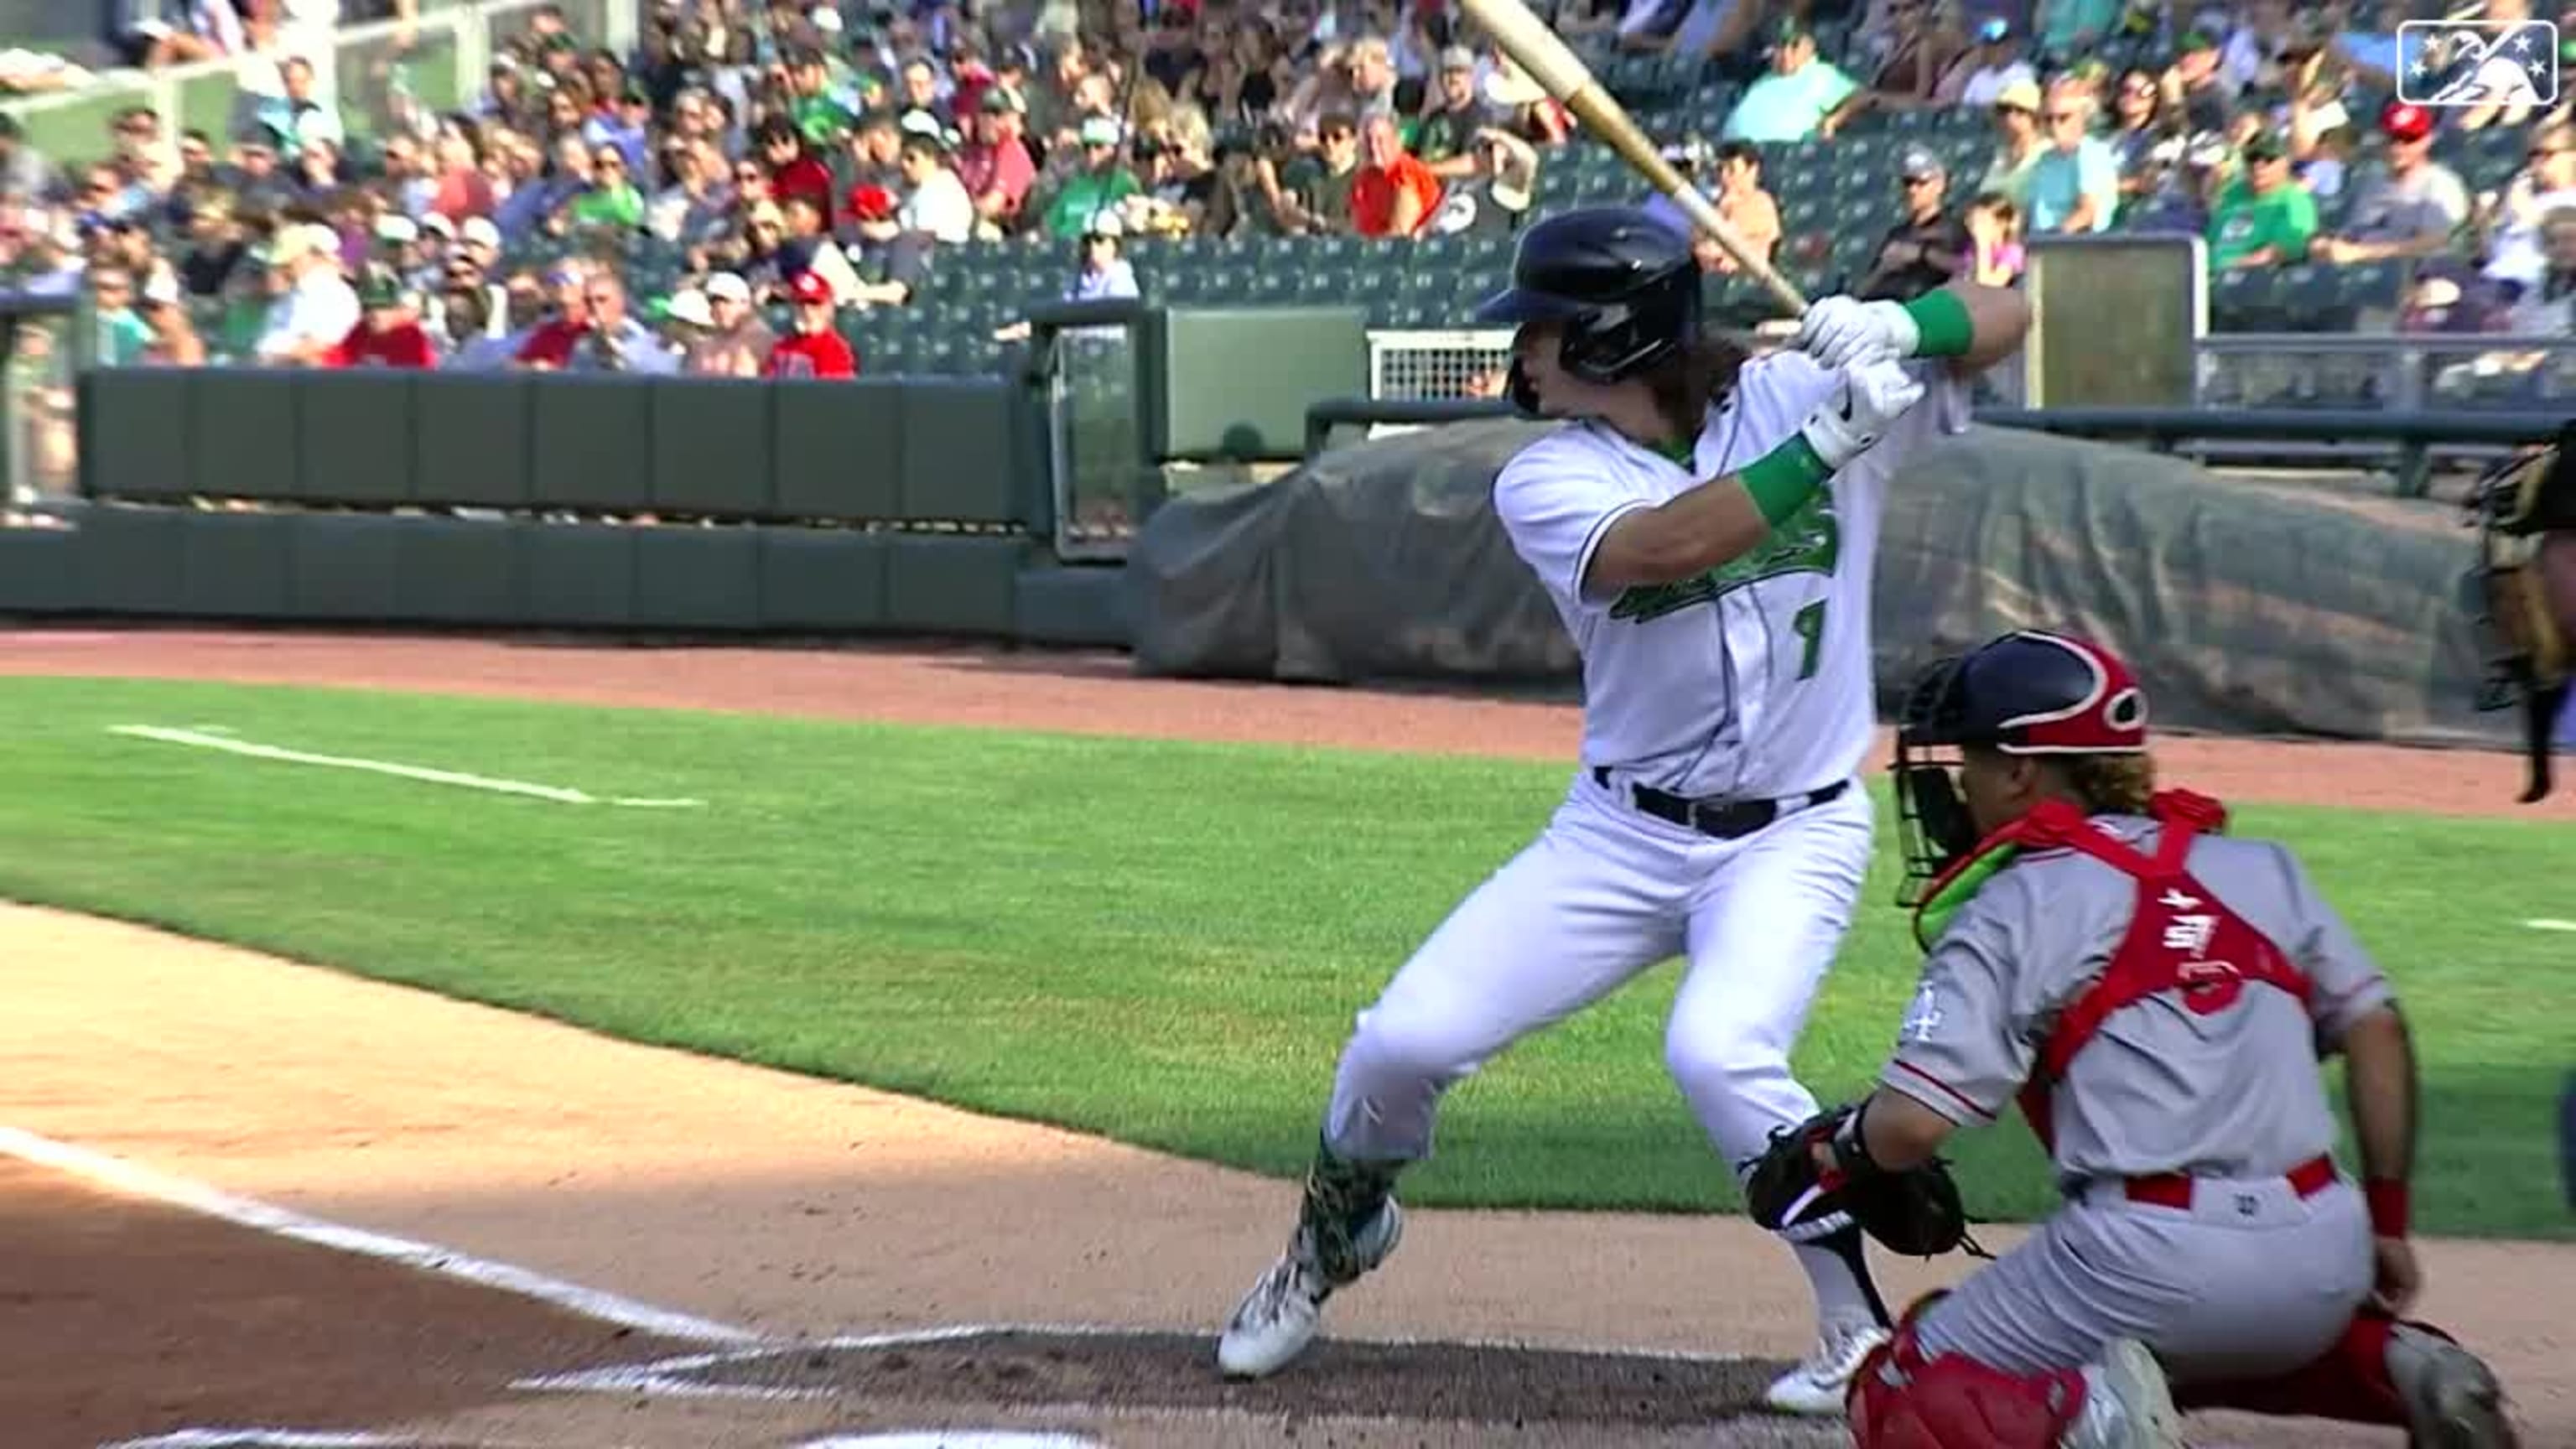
(1725, 819)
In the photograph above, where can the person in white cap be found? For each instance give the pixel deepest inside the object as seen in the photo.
(397, 245)
(174, 338)
(1103, 276)
(480, 241)
(737, 343)
(685, 319)
(317, 307)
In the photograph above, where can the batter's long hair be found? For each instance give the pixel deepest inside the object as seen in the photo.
(1687, 386)
(2112, 784)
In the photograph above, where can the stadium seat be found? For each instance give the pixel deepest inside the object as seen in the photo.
(2249, 299)
(1272, 287)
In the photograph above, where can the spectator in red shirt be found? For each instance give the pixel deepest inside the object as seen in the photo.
(550, 343)
(389, 333)
(1394, 193)
(793, 170)
(994, 163)
(814, 347)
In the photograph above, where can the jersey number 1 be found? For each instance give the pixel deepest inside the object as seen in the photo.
(1810, 624)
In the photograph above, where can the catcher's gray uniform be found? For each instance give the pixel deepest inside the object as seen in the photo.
(2254, 1268)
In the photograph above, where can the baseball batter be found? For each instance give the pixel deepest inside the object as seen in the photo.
(2155, 996)
(1706, 527)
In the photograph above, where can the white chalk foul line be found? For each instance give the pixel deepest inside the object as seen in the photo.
(139, 1181)
(209, 739)
(256, 1440)
(952, 1440)
(2546, 923)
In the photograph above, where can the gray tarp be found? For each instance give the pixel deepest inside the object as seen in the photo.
(2246, 608)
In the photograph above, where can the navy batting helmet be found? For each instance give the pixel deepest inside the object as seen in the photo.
(2027, 693)
(1623, 284)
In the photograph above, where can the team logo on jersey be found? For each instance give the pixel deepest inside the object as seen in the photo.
(1924, 1017)
(2208, 987)
(1808, 541)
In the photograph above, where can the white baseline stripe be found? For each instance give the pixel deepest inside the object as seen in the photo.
(2546, 923)
(140, 1181)
(952, 1440)
(206, 740)
(256, 1440)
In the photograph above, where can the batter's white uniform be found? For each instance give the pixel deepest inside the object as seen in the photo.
(1750, 683)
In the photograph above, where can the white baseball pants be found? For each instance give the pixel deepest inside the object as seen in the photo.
(1605, 892)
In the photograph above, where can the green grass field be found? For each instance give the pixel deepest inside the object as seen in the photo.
(1160, 942)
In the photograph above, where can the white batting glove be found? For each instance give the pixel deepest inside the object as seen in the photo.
(1839, 331)
(1866, 401)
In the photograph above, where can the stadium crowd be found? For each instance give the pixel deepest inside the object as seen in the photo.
(724, 197)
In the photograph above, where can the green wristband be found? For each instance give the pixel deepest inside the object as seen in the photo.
(1942, 322)
(1782, 480)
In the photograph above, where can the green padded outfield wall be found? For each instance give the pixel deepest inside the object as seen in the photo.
(910, 506)
(372, 568)
(965, 451)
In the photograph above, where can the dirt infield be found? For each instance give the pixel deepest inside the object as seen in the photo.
(848, 1232)
(216, 1324)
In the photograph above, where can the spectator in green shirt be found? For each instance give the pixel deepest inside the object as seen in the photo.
(1800, 97)
(1098, 186)
(612, 199)
(2264, 218)
(821, 110)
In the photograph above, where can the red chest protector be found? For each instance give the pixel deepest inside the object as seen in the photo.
(2180, 940)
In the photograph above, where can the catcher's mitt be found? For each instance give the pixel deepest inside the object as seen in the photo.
(1915, 1212)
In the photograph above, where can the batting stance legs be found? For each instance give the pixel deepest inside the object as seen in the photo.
(1601, 895)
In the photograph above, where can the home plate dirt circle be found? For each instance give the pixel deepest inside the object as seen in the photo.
(1087, 1376)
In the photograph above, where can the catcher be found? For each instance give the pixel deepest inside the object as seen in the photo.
(2526, 516)
(2156, 995)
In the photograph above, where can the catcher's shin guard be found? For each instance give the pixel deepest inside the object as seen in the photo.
(2382, 1371)
(2349, 1381)
(1902, 1400)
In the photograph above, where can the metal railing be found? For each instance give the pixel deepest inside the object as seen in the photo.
(2414, 435)
(382, 77)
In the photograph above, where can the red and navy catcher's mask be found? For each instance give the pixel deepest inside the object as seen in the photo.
(2027, 693)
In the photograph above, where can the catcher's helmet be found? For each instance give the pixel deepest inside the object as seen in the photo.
(2027, 693)
(1623, 284)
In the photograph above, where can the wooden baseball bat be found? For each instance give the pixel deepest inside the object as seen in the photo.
(1527, 40)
